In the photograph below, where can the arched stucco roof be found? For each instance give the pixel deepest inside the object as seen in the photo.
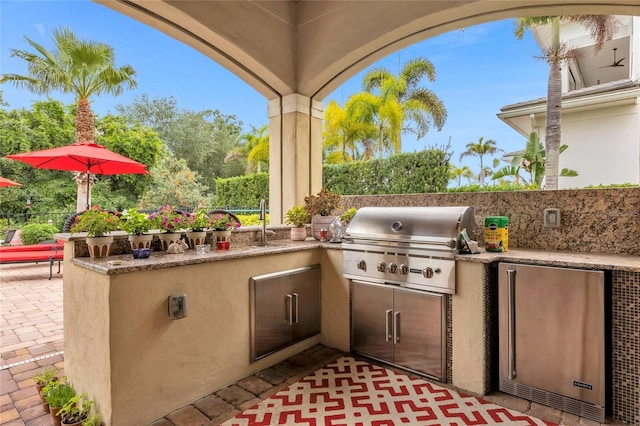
(311, 47)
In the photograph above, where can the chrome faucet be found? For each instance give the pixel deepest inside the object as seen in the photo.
(263, 218)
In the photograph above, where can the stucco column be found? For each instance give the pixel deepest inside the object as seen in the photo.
(295, 152)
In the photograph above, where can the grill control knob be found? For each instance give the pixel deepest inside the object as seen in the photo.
(404, 269)
(382, 267)
(393, 268)
(427, 272)
(362, 265)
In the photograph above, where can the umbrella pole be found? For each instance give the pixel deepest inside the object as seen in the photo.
(88, 188)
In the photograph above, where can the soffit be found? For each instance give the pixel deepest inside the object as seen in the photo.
(311, 47)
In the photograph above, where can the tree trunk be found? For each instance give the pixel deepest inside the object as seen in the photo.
(554, 111)
(85, 131)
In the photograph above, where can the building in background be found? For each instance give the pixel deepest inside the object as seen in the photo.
(600, 106)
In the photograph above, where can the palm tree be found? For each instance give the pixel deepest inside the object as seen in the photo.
(602, 28)
(533, 161)
(421, 106)
(343, 129)
(255, 150)
(384, 112)
(82, 68)
(460, 172)
(480, 149)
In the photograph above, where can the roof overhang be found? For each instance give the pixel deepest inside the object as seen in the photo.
(311, 47)
(523, 116)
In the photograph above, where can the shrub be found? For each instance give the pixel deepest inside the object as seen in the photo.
(37, 232)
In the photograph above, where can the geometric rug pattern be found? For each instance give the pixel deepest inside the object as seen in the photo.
(350, 392)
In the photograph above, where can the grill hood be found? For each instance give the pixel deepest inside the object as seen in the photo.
(413, 226)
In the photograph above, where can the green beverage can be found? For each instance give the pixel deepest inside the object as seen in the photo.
(496, 233)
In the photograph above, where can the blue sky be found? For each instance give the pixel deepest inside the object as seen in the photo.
(479, 70)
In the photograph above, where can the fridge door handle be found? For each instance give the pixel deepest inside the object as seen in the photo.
(511, 283)
(388, 334)
(396, 327)
(289, 315)
(295, 308)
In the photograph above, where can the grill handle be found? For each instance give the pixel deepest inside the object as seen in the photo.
(435, 241)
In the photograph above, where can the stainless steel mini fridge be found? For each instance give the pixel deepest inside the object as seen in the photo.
(552, 337)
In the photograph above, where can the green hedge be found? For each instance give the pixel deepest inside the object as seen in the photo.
(407, 173)
(242, 191)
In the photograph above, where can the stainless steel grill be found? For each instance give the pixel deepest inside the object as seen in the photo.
(411, 247)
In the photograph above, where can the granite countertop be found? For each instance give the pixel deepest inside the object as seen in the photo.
(123, 264)
(618, 262)
(158, 260)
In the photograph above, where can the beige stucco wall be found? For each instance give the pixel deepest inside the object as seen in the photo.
(123, 350)
(468, 339)
(335, 302)
(146, 364)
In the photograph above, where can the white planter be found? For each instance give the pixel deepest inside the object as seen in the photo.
(99, 246)
(321, 222)
(196, 238)
(140, 241)
(298, 234)
(222, 239)
(168, 238)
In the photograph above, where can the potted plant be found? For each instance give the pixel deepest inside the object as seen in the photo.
(298, 216)
(197, 224)
(43, 378)
(170, 222)
(222, 225)
(320, 207)
(137, 225)
(348, 215)
(76, 410)
(57, 394)
(98, 224)
(92, 420)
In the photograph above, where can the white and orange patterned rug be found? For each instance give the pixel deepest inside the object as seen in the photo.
(349, 392)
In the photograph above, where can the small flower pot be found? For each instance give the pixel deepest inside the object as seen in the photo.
(99, 246)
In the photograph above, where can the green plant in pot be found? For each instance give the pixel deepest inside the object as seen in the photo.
(43, 378)
(134, 222)
(76, 410)
(57, 394)
(298, 216)
(197, 224)
(137, 225)
(96, 222)
(348, 215)
(321, 207)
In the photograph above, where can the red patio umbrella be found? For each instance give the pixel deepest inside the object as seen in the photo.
(8, 182)
(85, 157)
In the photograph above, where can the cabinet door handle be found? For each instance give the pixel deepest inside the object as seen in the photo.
(511, 280)
(396, 327)
(388, 334)
(295, 309)
(289, 316)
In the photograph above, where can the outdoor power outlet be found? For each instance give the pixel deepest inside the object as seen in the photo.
(551, 218)
(177, 306)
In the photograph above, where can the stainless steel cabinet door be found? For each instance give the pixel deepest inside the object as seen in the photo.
(373, 320)
(272, 330)
(305, 291)
(552, 330)
(419, 331)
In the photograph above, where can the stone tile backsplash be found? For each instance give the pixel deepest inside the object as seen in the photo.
(592, 220)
